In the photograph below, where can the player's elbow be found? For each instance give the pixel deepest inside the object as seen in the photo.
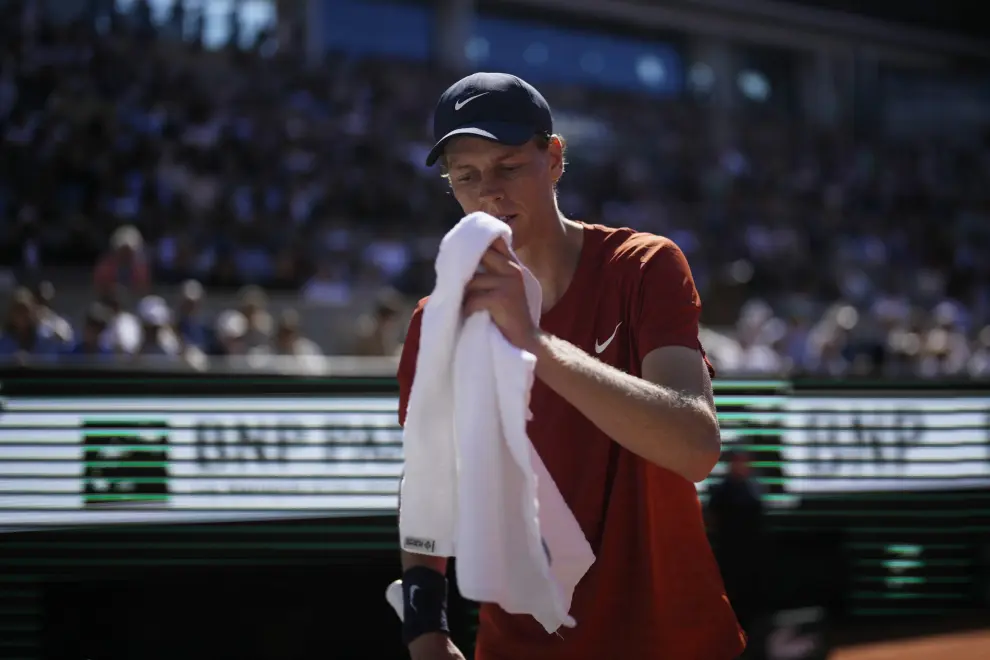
(705, 463)
(706, 448)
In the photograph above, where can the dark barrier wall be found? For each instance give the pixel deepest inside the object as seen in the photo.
(150, 515)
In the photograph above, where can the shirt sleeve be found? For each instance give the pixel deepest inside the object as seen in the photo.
(407, 360)
(669, 307)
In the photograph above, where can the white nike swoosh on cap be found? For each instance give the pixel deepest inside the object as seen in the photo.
(463, 102)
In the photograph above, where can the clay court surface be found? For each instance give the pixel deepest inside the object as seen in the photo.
(972, 645)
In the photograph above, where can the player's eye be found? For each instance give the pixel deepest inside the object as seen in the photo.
(465, 178)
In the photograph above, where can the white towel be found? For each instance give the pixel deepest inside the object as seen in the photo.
(474, 486)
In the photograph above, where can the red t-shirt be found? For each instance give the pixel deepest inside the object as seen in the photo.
(654, 590)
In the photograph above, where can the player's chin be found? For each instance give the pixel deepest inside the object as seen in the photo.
(519, 235)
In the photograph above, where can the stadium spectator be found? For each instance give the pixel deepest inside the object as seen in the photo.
(379, 332)
(231, 329)
(253, 305)
(49, 319)
(945, 349)
(123, 333)
(92, 343)
(291, 352)
(25, 339)
(157, 337)
(979, 364)
(160, 343)
(288, 337)
(330, 285)
(124, 265)
(193, 330)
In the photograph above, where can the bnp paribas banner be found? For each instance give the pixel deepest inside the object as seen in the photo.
(83, 459)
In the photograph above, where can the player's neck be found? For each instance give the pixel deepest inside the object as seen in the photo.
(553, 257)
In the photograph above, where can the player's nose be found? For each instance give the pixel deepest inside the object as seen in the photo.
(491, 193)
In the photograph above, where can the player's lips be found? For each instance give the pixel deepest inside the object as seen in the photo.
(507, 219)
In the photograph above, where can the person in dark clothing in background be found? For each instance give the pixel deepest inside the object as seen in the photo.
(189, 324)
(91, 343)
(736, 521)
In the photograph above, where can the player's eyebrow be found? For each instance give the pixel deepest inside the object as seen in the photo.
(508, 156)
(453, 165)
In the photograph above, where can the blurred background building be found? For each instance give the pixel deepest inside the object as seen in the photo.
(192, 181)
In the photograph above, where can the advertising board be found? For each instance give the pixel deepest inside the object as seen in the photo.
(89, 460)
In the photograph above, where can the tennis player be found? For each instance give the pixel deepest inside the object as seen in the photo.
(623, 412)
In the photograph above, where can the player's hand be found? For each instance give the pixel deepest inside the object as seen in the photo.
(501, 292)
(434, 646)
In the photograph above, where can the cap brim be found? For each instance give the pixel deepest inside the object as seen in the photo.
(511, 134)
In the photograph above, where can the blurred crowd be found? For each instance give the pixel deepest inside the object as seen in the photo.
(147, 163)
(156, 332)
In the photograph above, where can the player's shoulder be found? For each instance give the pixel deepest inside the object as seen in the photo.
(416, 318)
(623, 247)
(417, 311)
(410, 343)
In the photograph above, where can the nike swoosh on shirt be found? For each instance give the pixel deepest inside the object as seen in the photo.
(412, 597)
(601, 347)
(463, 102)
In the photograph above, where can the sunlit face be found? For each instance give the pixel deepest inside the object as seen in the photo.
(515, 184)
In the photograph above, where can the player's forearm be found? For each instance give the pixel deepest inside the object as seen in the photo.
(672, 429)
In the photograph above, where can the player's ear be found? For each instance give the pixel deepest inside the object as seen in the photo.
(555, 149)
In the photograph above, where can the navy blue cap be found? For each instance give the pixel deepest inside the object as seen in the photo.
(495, 106)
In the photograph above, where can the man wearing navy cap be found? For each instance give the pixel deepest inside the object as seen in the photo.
(494, 106)
(623, 412)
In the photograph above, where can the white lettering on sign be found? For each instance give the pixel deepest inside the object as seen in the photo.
(885, 444)
(201, 455)
(87, 460)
